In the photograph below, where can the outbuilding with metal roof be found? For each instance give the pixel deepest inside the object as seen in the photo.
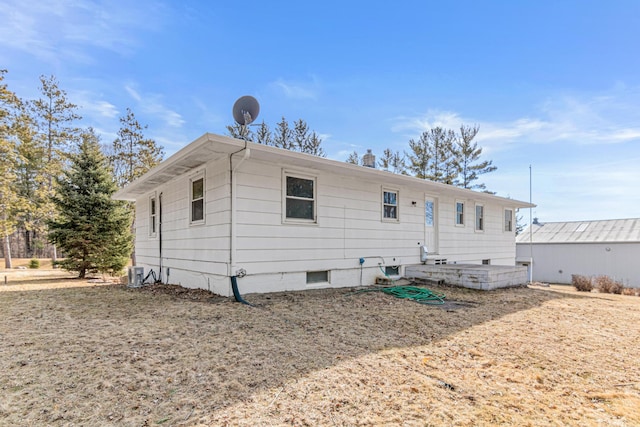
(590, 248)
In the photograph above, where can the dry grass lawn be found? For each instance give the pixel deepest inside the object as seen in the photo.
(79, 353)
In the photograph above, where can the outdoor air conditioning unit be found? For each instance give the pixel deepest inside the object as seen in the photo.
(136, 276)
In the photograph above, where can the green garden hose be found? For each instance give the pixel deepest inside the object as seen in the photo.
(419, 295)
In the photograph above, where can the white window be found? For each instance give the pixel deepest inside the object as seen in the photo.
(389, 204)
(479, 218)
(508, 220)
(197, 200)
(459, 213)
(153, 216)
(300, 198)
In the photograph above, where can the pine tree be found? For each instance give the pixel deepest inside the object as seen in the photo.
(10, 200)
(468, 155)
(314, 146)
(393, 161)
(420, 156)
(239, 131)
(354, 159)
(263, 135)
(441, 156)
(299, 138)
(283, 135)
(300, 135)
(91, 228)
(54, 117)
(132, 154)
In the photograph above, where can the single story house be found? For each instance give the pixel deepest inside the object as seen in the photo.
(223, 209)
(588, 248)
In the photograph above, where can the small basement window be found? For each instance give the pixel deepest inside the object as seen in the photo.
(317, 276)
(486, 262)
(392, 271)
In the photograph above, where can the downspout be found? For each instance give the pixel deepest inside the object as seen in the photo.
(231, 272)
(160, 237)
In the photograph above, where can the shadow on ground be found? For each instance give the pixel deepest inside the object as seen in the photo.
(110, 354)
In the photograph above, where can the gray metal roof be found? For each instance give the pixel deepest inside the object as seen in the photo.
(612, 230)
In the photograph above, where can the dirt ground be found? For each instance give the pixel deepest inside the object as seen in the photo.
(82, 352)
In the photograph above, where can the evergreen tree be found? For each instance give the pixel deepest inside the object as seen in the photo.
(54, 117)
(239, 131)
(393, 161)
(283, 136)
(91, 228)
(420, 156)
(300, 135)
(263, 135)
(354, 159)
(10, 200)
(132, 154)
(296, 138)
(468, 159)
(32, 184)
(439, 145)
(314, 146)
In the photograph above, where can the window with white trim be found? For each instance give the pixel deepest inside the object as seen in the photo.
(459, 213)
(479, 218)
(197, 200)
(508, 220)
(300, 198)
(153, 215)
(389, 204)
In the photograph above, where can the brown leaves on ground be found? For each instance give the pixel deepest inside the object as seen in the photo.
(163, 355)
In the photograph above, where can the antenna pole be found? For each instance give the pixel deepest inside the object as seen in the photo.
(530, 229)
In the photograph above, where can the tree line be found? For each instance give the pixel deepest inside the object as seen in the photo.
(440, 155)
(294, 137)
(57, 178)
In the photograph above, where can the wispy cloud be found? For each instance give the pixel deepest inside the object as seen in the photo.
(67, 29)
(608, 118)
(297, 89)
(153, 104)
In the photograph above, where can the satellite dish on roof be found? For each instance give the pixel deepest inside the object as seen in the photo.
(245, 110)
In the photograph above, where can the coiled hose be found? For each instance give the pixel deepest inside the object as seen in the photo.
(413, 293)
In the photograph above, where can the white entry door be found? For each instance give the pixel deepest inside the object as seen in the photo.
(431, 224)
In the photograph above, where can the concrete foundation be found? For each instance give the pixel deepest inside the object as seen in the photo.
(483, 277)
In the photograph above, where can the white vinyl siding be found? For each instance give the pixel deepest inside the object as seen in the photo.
(390, 205)
(347, 226)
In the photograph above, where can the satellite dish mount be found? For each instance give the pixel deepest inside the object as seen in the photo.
(245, 111)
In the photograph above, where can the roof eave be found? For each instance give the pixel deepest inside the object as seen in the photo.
(202, 150)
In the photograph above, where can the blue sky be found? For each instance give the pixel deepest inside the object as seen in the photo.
(552, 84)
